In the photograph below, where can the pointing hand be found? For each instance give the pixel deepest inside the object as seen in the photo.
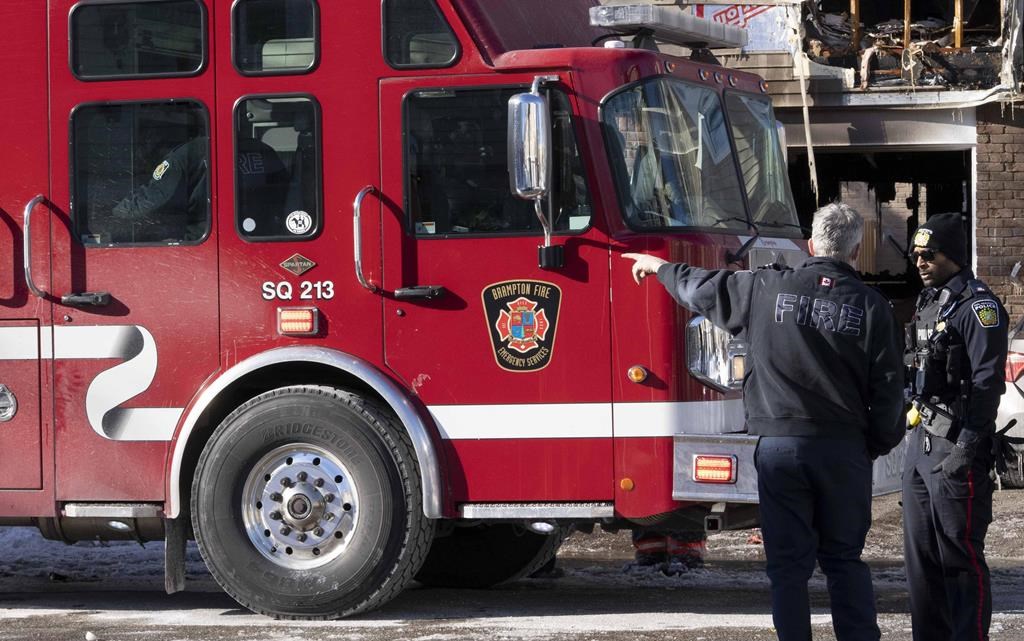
(644, 264)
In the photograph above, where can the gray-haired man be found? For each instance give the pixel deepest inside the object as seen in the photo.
(823, 391)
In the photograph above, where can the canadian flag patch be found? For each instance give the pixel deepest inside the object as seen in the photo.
(825, 281)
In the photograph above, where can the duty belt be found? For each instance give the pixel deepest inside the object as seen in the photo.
(936, 421)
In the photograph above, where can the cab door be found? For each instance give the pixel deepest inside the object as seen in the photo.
(511, 359)
(134, 244)
(24, 317)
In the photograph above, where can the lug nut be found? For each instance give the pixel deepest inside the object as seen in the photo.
(329, 498)
(274, 496)
(328, 516)
(302, 476)
(318, 531)
(301, 536)
(285, 530)
(287, 482)
(318, 482)
(275, 515)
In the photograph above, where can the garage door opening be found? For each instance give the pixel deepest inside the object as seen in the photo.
(895, 191)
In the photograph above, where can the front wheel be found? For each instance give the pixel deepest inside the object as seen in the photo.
(306, 503)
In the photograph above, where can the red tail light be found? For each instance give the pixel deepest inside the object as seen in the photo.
(1014, 366)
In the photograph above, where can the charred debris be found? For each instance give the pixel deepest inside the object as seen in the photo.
(955, 44)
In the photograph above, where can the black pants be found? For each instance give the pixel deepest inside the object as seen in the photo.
(815, 496)
(944, 525)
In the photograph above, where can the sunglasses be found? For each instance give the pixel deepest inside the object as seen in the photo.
(926, 255)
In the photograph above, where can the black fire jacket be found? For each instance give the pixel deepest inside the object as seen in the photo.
(824, 353)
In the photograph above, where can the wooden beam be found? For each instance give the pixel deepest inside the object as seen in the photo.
(906, 24)
(855, 23)
(958, 23)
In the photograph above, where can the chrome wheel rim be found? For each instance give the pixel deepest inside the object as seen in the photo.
(299, 506)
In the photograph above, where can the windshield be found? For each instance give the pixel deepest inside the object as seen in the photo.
(673, 161)
(765, 176)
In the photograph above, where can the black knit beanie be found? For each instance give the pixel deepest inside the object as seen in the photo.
(945, 233)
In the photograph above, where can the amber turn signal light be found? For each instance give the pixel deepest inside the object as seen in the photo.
(637, 374)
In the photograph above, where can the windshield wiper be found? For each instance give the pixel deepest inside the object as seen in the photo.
(744, 249)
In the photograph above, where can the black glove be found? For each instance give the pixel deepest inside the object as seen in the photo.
(958, 461)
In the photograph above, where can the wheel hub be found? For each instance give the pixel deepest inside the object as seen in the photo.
(304, 505)
(299, 506)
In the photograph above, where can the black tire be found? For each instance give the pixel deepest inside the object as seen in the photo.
(1013, 477)
(341, 474)
(482, 556)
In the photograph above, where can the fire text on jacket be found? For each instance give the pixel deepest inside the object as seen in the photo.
(821, 314)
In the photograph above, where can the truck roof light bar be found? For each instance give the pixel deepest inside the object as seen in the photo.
(668, 24)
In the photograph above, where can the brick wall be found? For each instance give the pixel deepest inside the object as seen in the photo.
(1000, 210)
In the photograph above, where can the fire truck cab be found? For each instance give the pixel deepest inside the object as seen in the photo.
(266, 281)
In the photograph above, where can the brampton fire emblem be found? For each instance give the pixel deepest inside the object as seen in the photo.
(521, 318)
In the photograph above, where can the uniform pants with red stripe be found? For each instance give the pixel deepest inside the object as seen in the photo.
(944, 524)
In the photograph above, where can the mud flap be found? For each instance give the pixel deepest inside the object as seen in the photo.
(174, 555)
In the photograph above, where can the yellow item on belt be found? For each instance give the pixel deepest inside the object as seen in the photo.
(913, 417)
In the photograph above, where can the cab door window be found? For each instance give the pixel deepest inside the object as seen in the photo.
(417, 35)
(457, 180)
(277, 170)
(140, 173)
(275, 36)
(137, 39)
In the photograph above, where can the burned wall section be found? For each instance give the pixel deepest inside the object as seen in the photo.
(1000, 208)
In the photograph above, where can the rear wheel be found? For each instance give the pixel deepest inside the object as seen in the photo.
(485, 555)
(306, 503)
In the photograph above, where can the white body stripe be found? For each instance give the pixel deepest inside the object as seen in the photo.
(132, 344)
(668, 419)
(569, 420)
(586, 420)
(21, 343)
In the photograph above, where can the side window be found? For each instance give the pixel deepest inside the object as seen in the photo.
(416, 35)
(457, 179)
(277, 172)
(139, 173)
(137, 39)
(275, 36)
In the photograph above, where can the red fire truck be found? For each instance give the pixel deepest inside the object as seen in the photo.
(270, 279)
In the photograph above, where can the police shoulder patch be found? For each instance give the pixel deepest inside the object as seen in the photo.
(987, 312)
(161, 169)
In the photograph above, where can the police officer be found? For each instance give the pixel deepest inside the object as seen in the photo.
(956, 355)
(822, 391)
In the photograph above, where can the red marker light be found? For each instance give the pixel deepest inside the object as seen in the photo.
(714, 469)
(298, 321)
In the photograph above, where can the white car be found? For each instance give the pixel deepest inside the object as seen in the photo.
(1011, 410)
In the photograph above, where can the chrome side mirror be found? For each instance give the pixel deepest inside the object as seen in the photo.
(529, 161)
(529, 145)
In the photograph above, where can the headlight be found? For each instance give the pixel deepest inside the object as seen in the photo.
(713, 356)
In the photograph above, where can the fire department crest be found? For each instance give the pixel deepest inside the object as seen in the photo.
(521, 319)
(987, 312)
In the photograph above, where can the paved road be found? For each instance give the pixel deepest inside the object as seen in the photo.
(53, 592)
(594, 600)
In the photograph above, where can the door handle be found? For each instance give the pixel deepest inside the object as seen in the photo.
(357, 236)
(83, 299)
(27, 217)
(428, 292)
